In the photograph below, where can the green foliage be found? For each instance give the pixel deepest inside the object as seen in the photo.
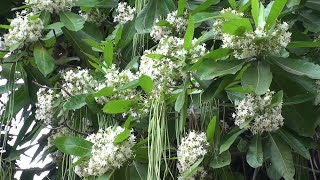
(73, 145)
(99, 75)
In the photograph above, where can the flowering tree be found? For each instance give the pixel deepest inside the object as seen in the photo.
(170, 89)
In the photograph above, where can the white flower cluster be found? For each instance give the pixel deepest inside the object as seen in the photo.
(50, 5)
(192, 148)
(125, 13)
(44, 105)
(77, 81)
(259, 42)
(94, 16)
(259, 113)
(218, 22)
(116, 78)
(176, 25)
(26, 27)
(106, 155)
(167, 69)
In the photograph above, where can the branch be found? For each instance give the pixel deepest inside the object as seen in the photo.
(38, 170)
(47, 87)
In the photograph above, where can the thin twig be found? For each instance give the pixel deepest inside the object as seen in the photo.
(47, 87)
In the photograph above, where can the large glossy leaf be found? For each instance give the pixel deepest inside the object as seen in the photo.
(298, 67)
(117, 106)
(43, 59)
(255, 153)
(71, 21)
(75, 102)
(221, 160)
(73, 145)
(212, 69)
(146, 83)
(294, 143)
(276, 10)
(313, 4)
(281, 157)
(153, 10)
(304, 117)
(258, 76)
(229, 139)
(237, 26)
(76, 40)
(204, 6)
(97, 3)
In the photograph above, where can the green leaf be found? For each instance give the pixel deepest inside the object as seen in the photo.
(211, 129)
(261, 17)
(255, 11)
(298, 67)
(151, 11)
(97, 3)
(189, 34)
(298, 99)
(129, 85)
(232, 4)
(281, 157)
(294, 143)
(192, 169)
(122, 136)
(204, 6)
(3, 26)
(230, 138)
(73, 145)
(181, 99)
(304, 44)
(94, 44)
(72, 21)
(204, 16)
(106, 176)
(146, 83)
(75, 102)
(292, 3)
(107, 91)
(277, 98)
(76, 40)
(259, 77)
(43, 59)
(276, 9)
(212, 69)
(237, 26)
(181, 5)
(221, 160)
(255, 154)
(108, 53)
(218, 54)
(117, 106)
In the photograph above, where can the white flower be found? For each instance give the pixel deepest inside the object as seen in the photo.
(259, 113)
(50, 5)
(258, 42)
(178, 25)
(167, 71)
(24, 29)
(94, 16)
(192, 148)
(125, 13)
(44, 105)
(76, 81)
(106, 155)
(217, 25)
